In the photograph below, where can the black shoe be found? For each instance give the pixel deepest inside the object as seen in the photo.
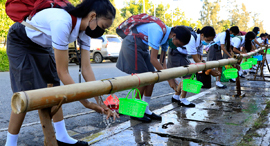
(242, 76)
(79, 143)
(175, 100)
(144, 119)
(153, 116)
(244, 72)
(223, 87)
(189, 105)
(232, 81)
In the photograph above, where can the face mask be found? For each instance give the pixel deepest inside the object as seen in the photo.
(97, 32)
(231, 35)
(171, 44)
(205, 43)
(258, 32)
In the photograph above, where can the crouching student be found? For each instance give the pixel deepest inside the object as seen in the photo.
(143, 61)
(37, 59)
(178, 56)
(214, 52)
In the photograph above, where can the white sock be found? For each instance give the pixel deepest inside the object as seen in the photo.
(234, 79)
(177, 97)
(218, 83)
(185, 101)
(12, 139)
(61, 133)
(147, 99)
(240, 72)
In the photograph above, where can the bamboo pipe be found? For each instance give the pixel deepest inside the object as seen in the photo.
(253, 52)
(48, 97)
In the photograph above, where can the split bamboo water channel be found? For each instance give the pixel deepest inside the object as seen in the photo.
(48, 97)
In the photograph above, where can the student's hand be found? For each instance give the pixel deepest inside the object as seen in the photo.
(102, 109)
(109, 112)
(214, 72)
(173, 84)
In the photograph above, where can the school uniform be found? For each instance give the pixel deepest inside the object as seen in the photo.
(30, 52)
(179, 57)
(237, 43)
(214, 52)
(128, 60)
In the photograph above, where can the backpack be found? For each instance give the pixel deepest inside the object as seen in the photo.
(192, 32)
(242, 33)
(125, 28)
(18, 10)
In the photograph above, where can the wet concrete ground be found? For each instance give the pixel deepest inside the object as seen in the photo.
(218, 119)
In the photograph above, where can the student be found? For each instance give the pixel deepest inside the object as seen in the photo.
(243, 42)
(262, 39)
(179, 57)
(214, 52)
(178, 36)
(37, 58)
(256, 30)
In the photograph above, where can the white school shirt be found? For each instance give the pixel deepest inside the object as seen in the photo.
(237, 43)
(260, 40)
(220, 38)
(193, 47)
(56, 24)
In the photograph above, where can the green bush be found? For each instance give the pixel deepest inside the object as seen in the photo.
(4, 65)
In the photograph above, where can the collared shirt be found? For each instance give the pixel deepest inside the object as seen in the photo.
(155, 35)
(220, 38)
(56, 24)
(237, 43)
(193, 47)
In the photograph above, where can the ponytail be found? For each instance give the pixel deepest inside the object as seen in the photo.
(228, 40)
(248, 38)
(207, 31)
(103, 8)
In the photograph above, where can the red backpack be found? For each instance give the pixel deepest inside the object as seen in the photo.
(125, 28)
(18, 10)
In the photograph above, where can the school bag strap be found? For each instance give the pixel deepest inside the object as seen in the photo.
(19, 10)
(125, 28)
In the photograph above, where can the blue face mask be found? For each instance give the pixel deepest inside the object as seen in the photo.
(258, 32)
(232, 36)
(205, 43)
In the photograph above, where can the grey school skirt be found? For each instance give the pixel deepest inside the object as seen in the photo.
(214, 53)
(31, 66)
(126, 60)
(177, 59)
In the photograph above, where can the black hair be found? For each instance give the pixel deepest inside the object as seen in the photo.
(255, 30)
(207, 31)
(266, 35)
(103, 8)
(234, 30)
(262, 35)
(182, 34)
(248, 38)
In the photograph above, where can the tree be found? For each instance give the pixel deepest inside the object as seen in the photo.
(209, 14)
(5, 23)
(257, 23)
(136, 7)
(240, 17)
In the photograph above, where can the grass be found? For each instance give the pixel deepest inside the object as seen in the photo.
(259, 123)
(4, 65)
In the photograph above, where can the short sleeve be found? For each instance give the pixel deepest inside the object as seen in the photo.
(165, 47)
(222, 38)
(155, 36)
(191, 46)
(84, 41)
(236, 42)
(60, 32)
